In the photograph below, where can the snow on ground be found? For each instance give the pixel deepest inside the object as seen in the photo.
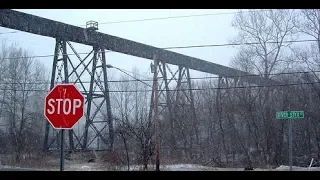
(15, 168)
(296, 168)
(186, 167)
(98, 166)
(195, 167)
(180, 167)
(175, 167)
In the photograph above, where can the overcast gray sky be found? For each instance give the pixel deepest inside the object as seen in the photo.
(198, 30)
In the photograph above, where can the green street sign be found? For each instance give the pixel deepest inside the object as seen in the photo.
(290, 114)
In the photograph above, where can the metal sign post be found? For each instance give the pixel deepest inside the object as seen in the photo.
(290, 143)
(62, 151)
(290, 115)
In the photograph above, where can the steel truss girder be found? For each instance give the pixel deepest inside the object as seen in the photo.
(46, 27)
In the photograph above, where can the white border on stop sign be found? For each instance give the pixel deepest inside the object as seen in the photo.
(65, 84)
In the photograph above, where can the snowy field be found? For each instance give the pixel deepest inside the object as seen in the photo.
(77, 163)
(296, 168)
(176, 167)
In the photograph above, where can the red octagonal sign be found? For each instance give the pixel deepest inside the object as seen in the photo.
(64, 106)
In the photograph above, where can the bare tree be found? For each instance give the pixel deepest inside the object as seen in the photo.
(21, 80)
(270, 30)
(133, 122)
(309, 56)
(309, 25)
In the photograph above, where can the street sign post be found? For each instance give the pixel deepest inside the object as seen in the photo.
(64, 107)
(290, 115)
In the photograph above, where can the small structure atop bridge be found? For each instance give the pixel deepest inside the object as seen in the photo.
(92, 25)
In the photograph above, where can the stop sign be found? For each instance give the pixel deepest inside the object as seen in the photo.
(64, 106)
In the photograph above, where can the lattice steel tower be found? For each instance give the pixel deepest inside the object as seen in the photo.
(93, 83)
